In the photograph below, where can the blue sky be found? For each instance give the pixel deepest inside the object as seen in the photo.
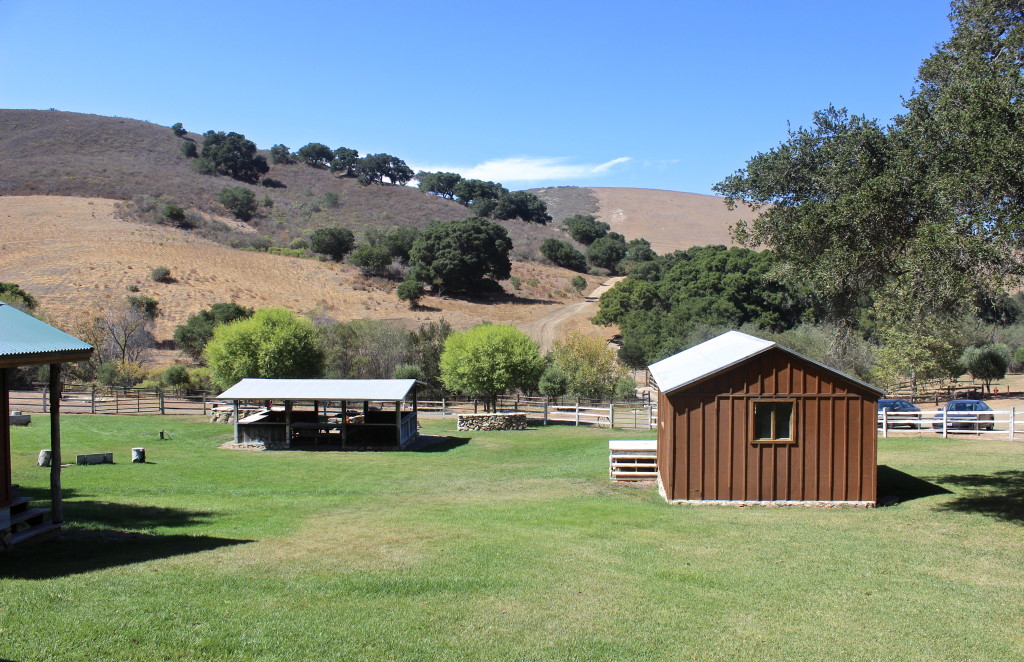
(669, 95)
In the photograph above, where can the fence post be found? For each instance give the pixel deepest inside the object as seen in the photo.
(650, 416)
(442, 407)
(1013, 421)
(945, 425)
(885, 422)
(161, 403)
(611, 413)
(545, 410)
(92, 400)
(577, 411)
(204, 404)
(44, 401)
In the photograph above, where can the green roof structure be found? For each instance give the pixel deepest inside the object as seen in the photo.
(24, 340)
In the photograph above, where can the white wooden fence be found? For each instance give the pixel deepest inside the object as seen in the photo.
(632, 415)
(995, 423)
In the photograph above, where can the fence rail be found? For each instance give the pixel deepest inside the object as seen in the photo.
(86, 399)
(995, 423)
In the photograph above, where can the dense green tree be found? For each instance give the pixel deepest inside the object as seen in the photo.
(709, 286)
(606, 253)
(234, 155)
(238, 200)
(12, 294)
(178, 129)
(192, 336)
(316, 155)
(639, 250)
(563, 254)
(280, 155)
(489, 360)
(585, 228)
(553, 382)
(523, 205)
(578, 283)
(378, 167)
(344, 161)
(439, 183)
(474, 192)
(335, 242)
(987, 363)
(188, 149)
(274, 343)
(428, 344)
(458, 255)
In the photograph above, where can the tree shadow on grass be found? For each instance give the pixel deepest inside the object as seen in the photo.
(100, 534)
(999, 494)
(895, 486)
(431, 443)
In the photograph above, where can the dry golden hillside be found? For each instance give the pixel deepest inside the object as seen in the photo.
(670, 220)
(76, 257)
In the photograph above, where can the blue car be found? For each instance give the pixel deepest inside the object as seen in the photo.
(899, 412)
(966, 415)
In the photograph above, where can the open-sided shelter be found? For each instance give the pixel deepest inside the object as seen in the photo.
(24, 340)
(741, 419)
(347, 413)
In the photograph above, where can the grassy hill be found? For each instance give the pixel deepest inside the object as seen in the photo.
(45, 152)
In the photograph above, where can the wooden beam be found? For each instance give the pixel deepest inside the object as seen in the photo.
(5, 439)
(56, 499)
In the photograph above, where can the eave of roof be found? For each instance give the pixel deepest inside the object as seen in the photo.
(720, 353)
(25, 340)
(319, 389)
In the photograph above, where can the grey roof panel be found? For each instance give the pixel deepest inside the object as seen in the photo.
(717, 354)
(319, 389)
(22, 335)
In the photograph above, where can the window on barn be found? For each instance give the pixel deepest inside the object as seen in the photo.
(773, 421)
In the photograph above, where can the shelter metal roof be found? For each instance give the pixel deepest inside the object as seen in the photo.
(721, 352)
(319, 389)
(25, 340)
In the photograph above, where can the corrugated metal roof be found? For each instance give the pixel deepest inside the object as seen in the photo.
(23, 336)
(319, 389)
(717, 354)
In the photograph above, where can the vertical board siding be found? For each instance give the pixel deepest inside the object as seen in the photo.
(704, 436)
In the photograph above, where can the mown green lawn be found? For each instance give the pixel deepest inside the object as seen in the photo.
(501, 546)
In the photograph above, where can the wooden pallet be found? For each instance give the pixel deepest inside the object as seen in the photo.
(630, 459)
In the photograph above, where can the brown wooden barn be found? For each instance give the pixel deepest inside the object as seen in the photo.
(745, 420)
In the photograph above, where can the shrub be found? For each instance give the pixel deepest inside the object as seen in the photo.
(625, 387)
(188, 148)
(407, 371)
(563, 254)
(371, 260)
(203, 166)
(176, 377)
(238, 200)
(584, 228)
(299, 244)
(267, 202)
(411, 291)
(132, 288)
(174, 213)
(179, 129)
(160, 274)
(335, 242)
(329, 200)
(517, 282)
(579, 283)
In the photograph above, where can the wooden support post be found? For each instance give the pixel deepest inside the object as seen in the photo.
(577, 411)
(442, 407)
(56, 500)
(235, 406)
(545, 411)
(92, 400)
(344, 423)
(398, 420)
(162, 410)
(288, 423)
(44, 400)
(1013, 421)
(885, 422)
(611, 413)
(650, 416)
(204, 404)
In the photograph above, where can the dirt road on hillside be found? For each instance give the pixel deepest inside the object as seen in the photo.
(555, 324)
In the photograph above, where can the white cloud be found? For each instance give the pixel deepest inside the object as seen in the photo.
(529, 169)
